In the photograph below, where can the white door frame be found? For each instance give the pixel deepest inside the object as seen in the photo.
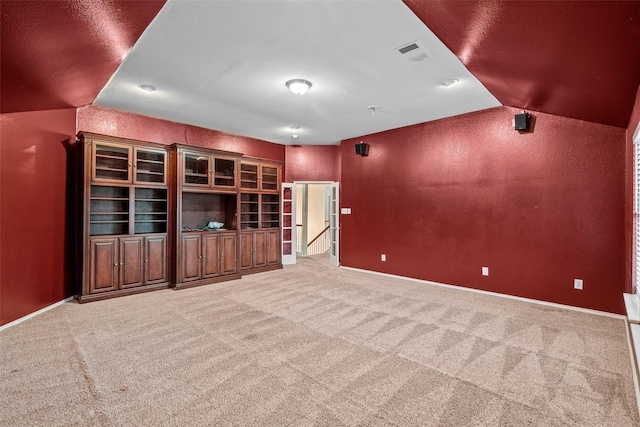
(334, 223)
(288, 253)
(329, 184)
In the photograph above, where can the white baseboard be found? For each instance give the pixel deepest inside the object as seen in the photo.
(35, 313)
(462, 288)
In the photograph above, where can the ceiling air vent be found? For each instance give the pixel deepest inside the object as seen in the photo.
(414, 52)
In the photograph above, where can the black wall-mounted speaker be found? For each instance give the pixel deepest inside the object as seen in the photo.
(521, 121)
(362, 149)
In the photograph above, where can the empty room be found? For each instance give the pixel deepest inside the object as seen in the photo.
(319, 213)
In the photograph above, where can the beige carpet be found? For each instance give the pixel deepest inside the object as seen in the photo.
(313, 345)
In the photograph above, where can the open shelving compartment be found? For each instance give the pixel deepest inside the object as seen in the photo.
(150, 210)
(200, 208)
(108, 210)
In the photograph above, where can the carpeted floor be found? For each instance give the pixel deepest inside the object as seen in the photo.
(313, 345)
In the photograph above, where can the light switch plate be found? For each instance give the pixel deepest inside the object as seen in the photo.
(485, 271)
(578, 283)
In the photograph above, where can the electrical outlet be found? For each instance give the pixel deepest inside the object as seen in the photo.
(485, 271)
(383, 257)
(577, 284)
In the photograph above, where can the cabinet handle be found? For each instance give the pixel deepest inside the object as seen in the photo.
(146, 260)
(115, 264)
(221, 254)
(120, 263)
(129, 164)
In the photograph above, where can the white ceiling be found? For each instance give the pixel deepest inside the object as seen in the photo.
(223, 65)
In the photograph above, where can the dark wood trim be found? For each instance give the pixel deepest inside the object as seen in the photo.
(122, 292)
(318, 236)
(208, 281)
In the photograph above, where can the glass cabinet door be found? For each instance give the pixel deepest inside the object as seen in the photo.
(249, 176)
(224, 172)
(269, 178)
(150, 166)
(111, 162)
(196, 169)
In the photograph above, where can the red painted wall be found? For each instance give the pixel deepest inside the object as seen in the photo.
(312, 163)
(34, 200)
(445, 198)
(111, 122)
(631, 128)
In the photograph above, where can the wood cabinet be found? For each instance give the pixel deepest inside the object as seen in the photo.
(125, 163)
(203, 169)
(120, 263)
(260, 176)
(260, 250)
(206, 193)
(151, 216)
(123, 215)
(205, 255)
(259, 216)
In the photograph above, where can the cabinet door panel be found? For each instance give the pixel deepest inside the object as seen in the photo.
(270, 178)
(273, 247)
(103, 269)
(224, 172)
(155, 261)
(210, 255)
(228, 263)
(150, 166)
(259, 248)
(191, 260)
(246, 250)
(111, 162)
(131, 255)
(197, 169)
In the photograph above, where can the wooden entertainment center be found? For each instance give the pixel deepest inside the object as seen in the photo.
(151, 216)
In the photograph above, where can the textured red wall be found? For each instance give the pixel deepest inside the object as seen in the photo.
(312, 163)
(33, 190)
(445, 198)
(111, 122)
(633, 125)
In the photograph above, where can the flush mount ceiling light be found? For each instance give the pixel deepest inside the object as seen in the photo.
(298, 86)
(147, 88)
(294, 127)
(450, 82)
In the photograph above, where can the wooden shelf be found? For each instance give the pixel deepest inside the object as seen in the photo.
(108, 156)
(104, 168)
(156, 162)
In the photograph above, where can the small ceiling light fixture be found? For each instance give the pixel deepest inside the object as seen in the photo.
(147, 88)
(449, 82)
(298, 86)
(294, 127)
(295, 136)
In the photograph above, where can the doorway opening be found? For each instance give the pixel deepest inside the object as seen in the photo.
(317, 219)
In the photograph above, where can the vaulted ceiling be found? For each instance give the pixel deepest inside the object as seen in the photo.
(574, 59)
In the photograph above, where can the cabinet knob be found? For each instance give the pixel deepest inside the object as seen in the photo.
(120, 263)
(221, 254)
(146, 260)
(129, 164)
(115, 264)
